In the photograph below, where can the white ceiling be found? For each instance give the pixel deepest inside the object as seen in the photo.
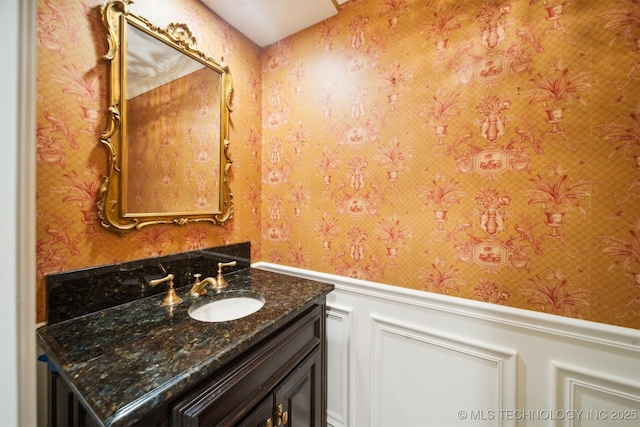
(269, 21)
(152, 63)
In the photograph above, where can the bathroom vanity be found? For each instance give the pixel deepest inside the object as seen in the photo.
(141, 363)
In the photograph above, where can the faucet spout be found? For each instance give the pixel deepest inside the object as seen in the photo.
(199, 286)
(217, 283)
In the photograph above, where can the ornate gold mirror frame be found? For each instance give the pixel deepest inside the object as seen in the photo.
(189, 123)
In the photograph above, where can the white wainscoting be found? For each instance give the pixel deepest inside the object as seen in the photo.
(399, 357)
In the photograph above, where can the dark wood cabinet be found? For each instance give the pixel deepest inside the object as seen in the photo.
(300, 395)
(297, 401)
(261, 414)
(64, 408)
(280, 382)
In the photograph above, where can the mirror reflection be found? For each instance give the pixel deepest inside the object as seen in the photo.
(173, 128)
(167, 136)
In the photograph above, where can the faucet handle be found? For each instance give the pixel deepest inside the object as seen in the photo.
(226, 264)
(171, 298)
(221, 283)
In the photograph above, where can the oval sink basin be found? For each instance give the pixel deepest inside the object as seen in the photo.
(223, 310)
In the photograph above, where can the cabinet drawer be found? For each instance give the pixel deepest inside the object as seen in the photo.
(229, 395)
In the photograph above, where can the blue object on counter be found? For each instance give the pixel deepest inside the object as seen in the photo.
(45, 359)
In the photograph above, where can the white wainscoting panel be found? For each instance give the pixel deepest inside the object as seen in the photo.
(414, 370)
(339, 365)
(400, 357)
(596, 398)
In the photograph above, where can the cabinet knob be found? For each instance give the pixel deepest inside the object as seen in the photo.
(269, 423)
(282, 418)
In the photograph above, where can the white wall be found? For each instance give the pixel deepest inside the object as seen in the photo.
(399, 357)
(8, 187)
(17, 227)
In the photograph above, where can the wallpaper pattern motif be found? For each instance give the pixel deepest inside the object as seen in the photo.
(72, 113)
(487, 150)
(174, 160)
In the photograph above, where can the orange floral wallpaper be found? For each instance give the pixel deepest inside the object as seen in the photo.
(171, 173)
(72, 113)
(487, 150)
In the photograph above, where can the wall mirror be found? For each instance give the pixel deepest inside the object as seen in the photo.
(167, 135)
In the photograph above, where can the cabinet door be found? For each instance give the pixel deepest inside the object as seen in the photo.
(300, 395)
(262, 415)
(64, 408)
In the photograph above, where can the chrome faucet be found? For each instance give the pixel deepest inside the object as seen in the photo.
(217, 283)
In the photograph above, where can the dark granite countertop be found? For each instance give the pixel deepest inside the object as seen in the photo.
(122, 362)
